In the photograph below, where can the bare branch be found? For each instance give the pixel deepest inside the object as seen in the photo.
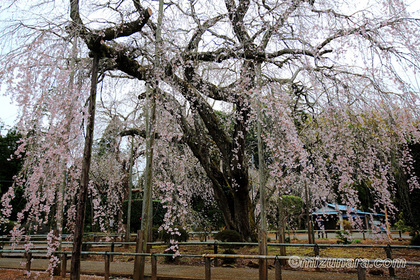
(126, 29)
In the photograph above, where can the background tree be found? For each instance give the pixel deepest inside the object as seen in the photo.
(9, 168)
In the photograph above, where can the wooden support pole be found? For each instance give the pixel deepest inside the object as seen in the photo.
(207, 268)
(84, 178)
(262, 242)
(28, 262)
(388, 252)
(112, 251)
(57, 269)
(138, 270)
(107, 260)
(130, 192)
(154, 267)
(308, 216)
(316, 253)
(361, 271)
(63, 265)
(277, 264)
(216, 261)
(263, 267)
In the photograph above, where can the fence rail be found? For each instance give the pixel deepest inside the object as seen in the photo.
(195, 233)
(360, 265)
(108, 256)
(218, 243)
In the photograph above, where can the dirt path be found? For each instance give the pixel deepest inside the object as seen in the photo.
(124, 270)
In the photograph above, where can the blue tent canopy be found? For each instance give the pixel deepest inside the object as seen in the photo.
(334, 209)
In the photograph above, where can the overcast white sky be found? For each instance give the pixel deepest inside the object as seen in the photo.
(9, 111)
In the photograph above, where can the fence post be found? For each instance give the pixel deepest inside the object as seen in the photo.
(106, 266)
(154, 267)
(64, 265)
(112, 251)
(57, 269)
(316, 250)
(28, 262)
(399, 232)
(216, 261)
(361, 271)
(391, 268)
(138, 271)
(277, 264)
(207, 268)
(316, 253)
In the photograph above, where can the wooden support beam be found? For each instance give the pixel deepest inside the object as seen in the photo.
(63, 265)
(277, 264)
(207, 262)
(107, 264)
(154, 267)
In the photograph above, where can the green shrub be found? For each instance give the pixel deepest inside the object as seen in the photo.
(357, 241)
(343, 237)
(167, 236)
(229, 260)
(400, 224)
(287, 239)
(228, 235)
(415, 240)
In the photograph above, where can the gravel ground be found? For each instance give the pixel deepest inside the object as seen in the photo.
(124, 271)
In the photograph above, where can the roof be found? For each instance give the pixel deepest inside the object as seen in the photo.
(334, 209)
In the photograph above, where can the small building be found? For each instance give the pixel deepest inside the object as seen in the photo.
(330, 214)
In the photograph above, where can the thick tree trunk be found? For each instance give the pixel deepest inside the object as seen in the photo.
(84, 181)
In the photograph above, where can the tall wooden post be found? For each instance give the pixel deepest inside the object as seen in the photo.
(281, 229)
(308, 217)
(130, 191)
(146, 217)
(263, 268)
(388, 231)
(84, 181)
